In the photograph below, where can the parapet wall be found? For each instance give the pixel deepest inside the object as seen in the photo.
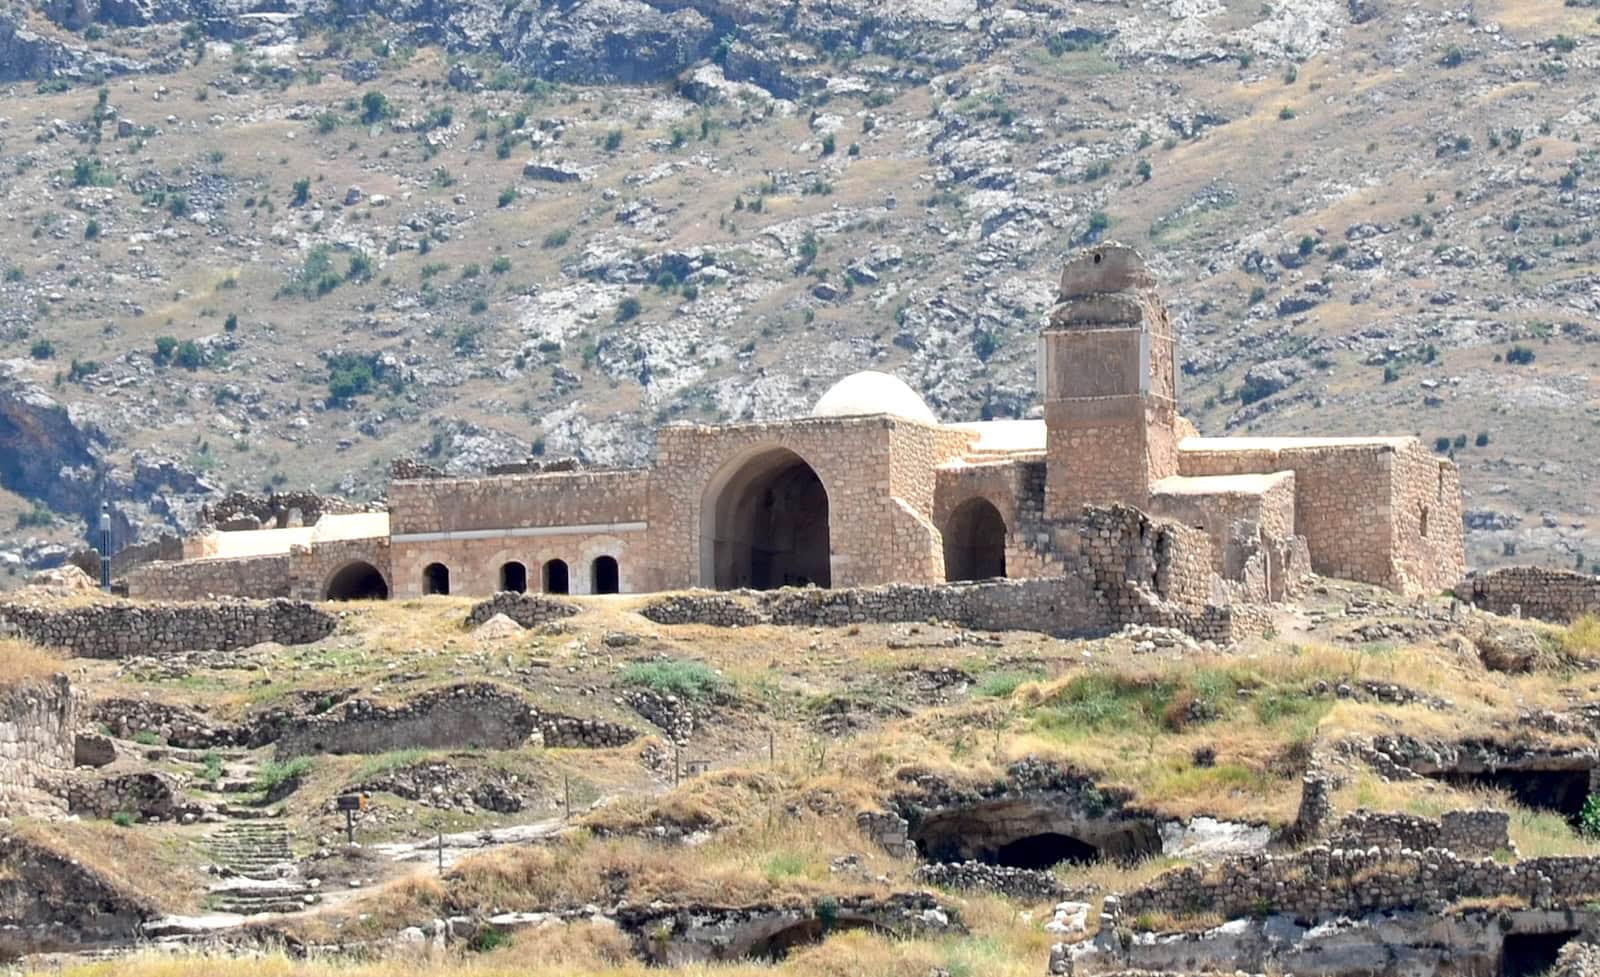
(37, 725)
(121, 630)
(1561, 596)
(258, 577)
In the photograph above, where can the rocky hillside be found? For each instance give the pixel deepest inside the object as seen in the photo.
(249, 246)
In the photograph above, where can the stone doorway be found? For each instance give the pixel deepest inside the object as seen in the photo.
(604, 577)
(436, 579)
(514, 577)
(357, 581)
(1526, 954)
(555, 577)
(975, 542)
(765, 525)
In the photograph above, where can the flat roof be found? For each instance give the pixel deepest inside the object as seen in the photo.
(1005, 436)
(269, 542)
(1218, 484)
(1280, 444)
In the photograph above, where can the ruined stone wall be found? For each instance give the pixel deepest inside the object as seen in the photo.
(260, 577)
(527, 610)
(1324, 880)
(121, 630)
(1561, 596)
(1061, 606)
(1476, 832)
(472, 715)
(872, 538)
(1218, 513)
(1348, 497)
(37, 723)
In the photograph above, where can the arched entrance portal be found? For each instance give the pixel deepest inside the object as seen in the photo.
(436, 579)
(975, 542)
(514, 577)
(357, 581)
(603, 575)
(555, 577)
(765, 525)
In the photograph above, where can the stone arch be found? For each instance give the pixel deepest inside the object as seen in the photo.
(554, 577)
(764, 523)
(356, 580)
(514, 577)
(436, 579)
(604, 576)
(974, 541)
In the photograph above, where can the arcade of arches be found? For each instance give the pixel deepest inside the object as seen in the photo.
(768, 525)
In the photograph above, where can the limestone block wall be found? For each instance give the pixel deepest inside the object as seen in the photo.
(258, 577)
(1272, 510)
(1001, 483)
(870, 537)
(527, 610)
(475, 564)
(500, 502)
(124, 629)
(1561, 596)
(1357, 503)
(38, 720)
(1427, 536)
(312, 568)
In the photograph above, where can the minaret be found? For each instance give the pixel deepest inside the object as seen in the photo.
(1106, 376)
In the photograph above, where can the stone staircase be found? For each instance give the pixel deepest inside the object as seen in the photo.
(259, 868)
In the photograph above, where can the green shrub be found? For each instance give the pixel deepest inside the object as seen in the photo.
(164, 348)
(91, 230)
(508, 196)
(628, 309)
(145, 737)
(1589, 817)
(349, 376)
(1286, 113)
(500, 265)
(37, 517)
(1000, 685)
(42, 349)
(302, 191)
(375, 107)
(557, 238)
(123, 819)
(685, 679)
(613, 140)
(188, 355)
(1520, 355)
(1482, 440)
(276, 774)
(89, 171)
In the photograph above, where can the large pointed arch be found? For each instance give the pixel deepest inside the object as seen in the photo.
(764, 523)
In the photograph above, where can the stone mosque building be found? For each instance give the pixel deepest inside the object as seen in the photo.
(872, 488)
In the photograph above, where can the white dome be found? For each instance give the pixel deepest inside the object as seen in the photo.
(870, 392)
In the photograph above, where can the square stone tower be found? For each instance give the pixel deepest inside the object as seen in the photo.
(1109, 391)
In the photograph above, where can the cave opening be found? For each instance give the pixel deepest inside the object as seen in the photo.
(1558, 791)
(1527, 954)
(776, 946)
(1043, 851)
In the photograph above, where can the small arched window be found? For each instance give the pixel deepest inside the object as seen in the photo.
(436, 579)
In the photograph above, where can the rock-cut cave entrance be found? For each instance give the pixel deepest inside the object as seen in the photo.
(777, 946)
(764, 524)
(1527, 954)
(1557, 791)
(1032, 834)
(357, 581)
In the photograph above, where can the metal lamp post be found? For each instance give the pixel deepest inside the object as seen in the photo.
(105, 546)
